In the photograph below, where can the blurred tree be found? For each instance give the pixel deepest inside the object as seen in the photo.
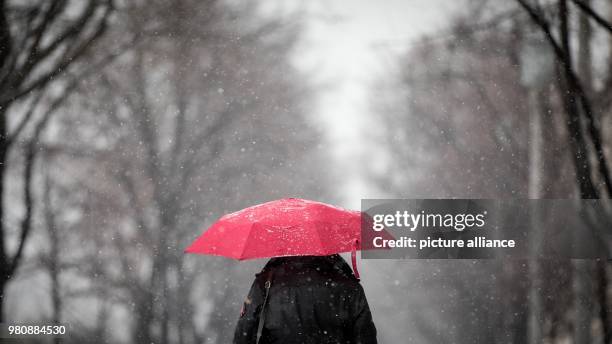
(39, 41)
(51, 260)
(463, 107)
(460, 130)
(576, 102)
(204, 115)
(585, 133)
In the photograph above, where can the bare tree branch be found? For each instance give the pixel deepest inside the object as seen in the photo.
(564, 59)
(30, 158)
(68, 57)
(25, 120)
(591, 13)
(538, 17)
(5, 35)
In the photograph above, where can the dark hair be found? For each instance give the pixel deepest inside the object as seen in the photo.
(332, 262)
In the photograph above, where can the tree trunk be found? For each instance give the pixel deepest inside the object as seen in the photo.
(4, 259)
(585, 62)
(602, 295)
(583, 300)
(536, 318)
(570, 105)
(583, 269)
(165, 316)
(144, 318)
(3, 283)
(53, 260)
(55, 282)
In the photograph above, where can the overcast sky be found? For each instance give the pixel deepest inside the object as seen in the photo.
(347, 45)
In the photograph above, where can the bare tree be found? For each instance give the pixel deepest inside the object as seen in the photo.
(52, 260)
(39, 41)
(202, 115)
(583, 123)
(460, 106)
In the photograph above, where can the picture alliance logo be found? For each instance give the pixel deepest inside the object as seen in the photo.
(428, 243)
(413, 221)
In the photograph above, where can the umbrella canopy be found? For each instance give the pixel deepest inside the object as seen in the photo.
(285, 227)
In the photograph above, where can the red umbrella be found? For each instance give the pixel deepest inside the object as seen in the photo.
(286, 227)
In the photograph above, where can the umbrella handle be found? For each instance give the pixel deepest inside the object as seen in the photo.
(354, 259)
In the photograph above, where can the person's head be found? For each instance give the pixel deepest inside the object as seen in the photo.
(323, 263)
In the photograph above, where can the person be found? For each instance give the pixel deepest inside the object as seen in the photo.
(309, 300)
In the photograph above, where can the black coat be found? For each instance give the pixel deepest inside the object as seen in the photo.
(312, 300)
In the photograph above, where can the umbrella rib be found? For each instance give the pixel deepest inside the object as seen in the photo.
(318, 228)
(248, 239)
